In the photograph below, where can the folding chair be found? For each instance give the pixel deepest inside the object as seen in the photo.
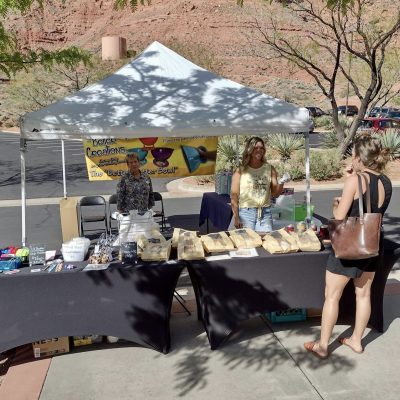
(92, 209)
(112, 206)
(157, 212)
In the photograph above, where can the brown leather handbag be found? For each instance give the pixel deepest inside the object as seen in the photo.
(357, 238)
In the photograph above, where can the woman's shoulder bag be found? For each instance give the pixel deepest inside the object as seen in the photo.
(357, 238)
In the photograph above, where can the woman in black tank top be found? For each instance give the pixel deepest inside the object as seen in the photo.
(369, 159)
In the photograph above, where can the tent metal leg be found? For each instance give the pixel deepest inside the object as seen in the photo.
(63, 169)
(308, 189)
(22, 150)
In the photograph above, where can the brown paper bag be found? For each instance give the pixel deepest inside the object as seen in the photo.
(217, 242)
(278, 242)
(245, 238)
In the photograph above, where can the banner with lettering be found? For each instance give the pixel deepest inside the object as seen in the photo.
(162, 157)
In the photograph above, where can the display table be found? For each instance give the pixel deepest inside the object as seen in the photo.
(216, 208)
(234, 290)
(130, 302)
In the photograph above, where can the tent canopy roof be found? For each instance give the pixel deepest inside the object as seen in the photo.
(161, 93)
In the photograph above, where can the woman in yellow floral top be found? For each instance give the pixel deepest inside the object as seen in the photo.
(253, 184)
(134, 190)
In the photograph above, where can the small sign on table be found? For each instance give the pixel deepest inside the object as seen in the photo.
(129, 252)
(37, 254)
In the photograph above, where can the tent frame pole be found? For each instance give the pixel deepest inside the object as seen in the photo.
(308, 188)
(63, 169)
(22, 151)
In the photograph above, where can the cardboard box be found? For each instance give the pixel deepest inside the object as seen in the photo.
(86, 340)
(69, 218)
(50, 347)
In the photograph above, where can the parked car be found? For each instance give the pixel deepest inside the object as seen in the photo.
(351, 110)
(378, 124)
(316, 111)
(380, 111)
(392, 114)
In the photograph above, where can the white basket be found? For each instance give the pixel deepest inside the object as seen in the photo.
(75, 250)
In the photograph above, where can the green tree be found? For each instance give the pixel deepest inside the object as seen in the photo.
(320, 37)
(13, 59)
(39, 87)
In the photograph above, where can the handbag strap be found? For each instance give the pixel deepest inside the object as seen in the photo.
(360, 196)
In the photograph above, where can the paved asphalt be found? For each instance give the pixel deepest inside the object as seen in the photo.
(44, 169)
(44, 180)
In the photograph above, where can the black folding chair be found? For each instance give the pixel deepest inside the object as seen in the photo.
(157, 212)
(112, 206)
(92, 209)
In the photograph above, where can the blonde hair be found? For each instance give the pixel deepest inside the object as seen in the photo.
(369, 149)
(130, 156)
(248, 149)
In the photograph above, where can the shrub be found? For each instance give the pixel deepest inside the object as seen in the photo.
(226, 152)
(391, 140)
(285, 144)
(324, 121)
(325, 165)
(296, 166)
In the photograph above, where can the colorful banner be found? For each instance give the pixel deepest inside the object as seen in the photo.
(159, 157)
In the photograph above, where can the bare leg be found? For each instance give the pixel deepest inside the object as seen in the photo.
(334, 286)
(363, 309)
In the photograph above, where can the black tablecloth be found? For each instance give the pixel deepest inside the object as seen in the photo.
(230, 291)
(130, 302)
(216, 208)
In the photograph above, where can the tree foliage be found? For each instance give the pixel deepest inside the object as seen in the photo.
(13, 59)
(322, 38)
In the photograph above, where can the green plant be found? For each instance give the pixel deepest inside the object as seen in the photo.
(296, 166)
(391, 140)
(325, 165)
(226, 153)
(325, 121)
(285, 144)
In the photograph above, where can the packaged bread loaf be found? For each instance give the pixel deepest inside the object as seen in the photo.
(245, 238)
(142, 240)
(277, 242)
(176, 234)
(308, 241)
(156, 250)
(217, 242)
(189, 247)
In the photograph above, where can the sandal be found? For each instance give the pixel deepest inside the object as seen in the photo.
(309, 346)
(344, 341)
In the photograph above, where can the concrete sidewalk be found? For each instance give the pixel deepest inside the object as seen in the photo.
(259, 361)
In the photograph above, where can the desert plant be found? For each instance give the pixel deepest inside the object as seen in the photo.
(325, 121)
(325, 165)
(226, 152)
(285, 144)
(391, 140)
(296, 166)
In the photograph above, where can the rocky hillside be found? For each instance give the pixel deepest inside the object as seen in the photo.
(218, 27)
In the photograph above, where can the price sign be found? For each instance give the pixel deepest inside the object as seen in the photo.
(37, 254)
(129, 252)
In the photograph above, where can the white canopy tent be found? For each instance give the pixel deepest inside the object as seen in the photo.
(160, 93)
